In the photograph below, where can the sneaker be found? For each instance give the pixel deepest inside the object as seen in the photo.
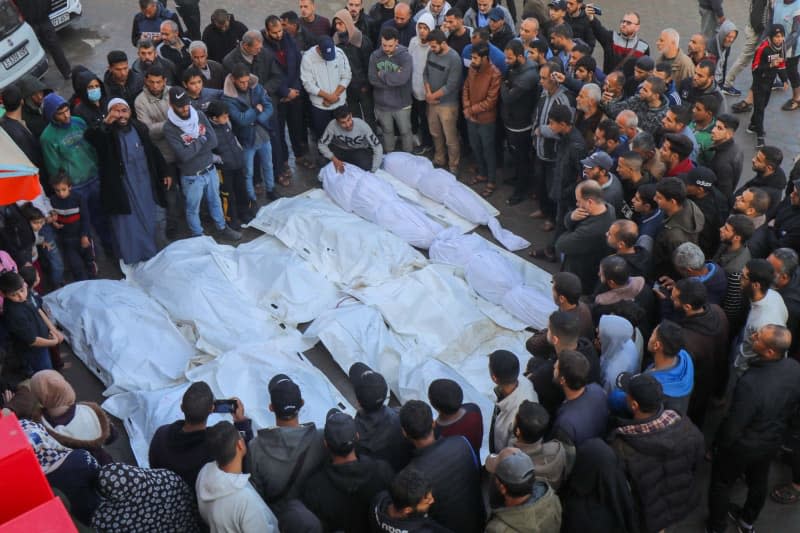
(750, 130)
(777, 85)
(422, 150)
(730, 90)
(760, 141)
(229, 234)
(735, 514)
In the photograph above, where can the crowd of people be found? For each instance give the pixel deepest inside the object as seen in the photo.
(678, 295)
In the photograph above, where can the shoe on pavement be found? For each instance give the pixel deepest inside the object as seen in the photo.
(422, 150)
(750, 130)
(229, 234)
(735, 514)
(760, 141)
(742, 106)
(730, 90)
(777, 85)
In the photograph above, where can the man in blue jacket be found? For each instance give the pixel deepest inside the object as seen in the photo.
(250, 109)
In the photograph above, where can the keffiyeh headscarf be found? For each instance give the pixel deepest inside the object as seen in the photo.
(143, 500)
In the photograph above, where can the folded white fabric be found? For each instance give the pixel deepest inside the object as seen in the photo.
(122, 335)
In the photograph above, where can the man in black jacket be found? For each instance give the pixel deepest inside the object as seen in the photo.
(37, 14)
(451, 465)
(579, 22)
(769, 177)
(766, 395)
(181, 446)
(15, 126)
(340, 492)
(728, 156)
(787, 283)
(222, 34)
(119, 80)
(785, 232)
(661, 452)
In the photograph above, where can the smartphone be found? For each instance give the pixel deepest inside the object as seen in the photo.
(597, 10)
(225, 406)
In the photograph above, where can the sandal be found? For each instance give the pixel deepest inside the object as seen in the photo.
(742, 107)
(791, 105)
(543, 253)
(490, 188)
(786, 494)
(285, 181)
(478, 179)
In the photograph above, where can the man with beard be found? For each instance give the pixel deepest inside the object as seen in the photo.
(621, 48)
(622, 237)
(629, 170)
(192, 138)
(173, 46)
(769, 177)
(705, 334)
(668, 44)
(612, 88)
(597, 167)
(146, 57)
(728, 157)
(363, 22)
(562, 333)
(119, 81)
(644, 144)
(317, 25)
(222, 35)
(133, 178)
(589, 112)
(677, 121)
(732, 256)
(402, 22)
(479, 99)
(754, 204)
(787, 283)
(702, 83)
(785, 232)
(696, 49)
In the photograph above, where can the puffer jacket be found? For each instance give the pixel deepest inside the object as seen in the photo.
(242, 109)
(661, 456)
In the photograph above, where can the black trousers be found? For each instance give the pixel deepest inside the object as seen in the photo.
(519, 144)
(48, 38)
(360, 157)
(727, 467)
(419, 121)
(762, 90)
(362, 105)
(191, 19)
(290, 115)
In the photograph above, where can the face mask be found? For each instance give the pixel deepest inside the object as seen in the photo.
(94, 94)
(343, 36)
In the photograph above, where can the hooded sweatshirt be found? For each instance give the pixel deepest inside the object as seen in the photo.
(419, 55)
(676, 381)
(92, 113)
(272, 456)
(717, 48)
(618, 351)
(381, 437)
(228, 502)
(340, 494)
(357, 47)
(390, 77)
(64, 146)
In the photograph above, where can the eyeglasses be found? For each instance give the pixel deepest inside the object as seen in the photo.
(628, 22)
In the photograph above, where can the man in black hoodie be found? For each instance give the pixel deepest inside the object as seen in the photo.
(379, 433)
(769, 177)
(579, 22)
(341, 491)
(181, 446)
(222, 35)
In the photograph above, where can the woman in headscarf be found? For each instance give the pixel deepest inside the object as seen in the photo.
(77, 425)
(597, 497)
(357, 47)
(618, 352)
(73, 472)
(143, 500)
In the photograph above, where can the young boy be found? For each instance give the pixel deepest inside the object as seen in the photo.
(72, 227)
(31, 278)
(28, 330)
(233, 187)
(769, 61)
(454, 417)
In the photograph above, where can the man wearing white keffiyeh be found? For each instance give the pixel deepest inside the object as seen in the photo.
(192, 138)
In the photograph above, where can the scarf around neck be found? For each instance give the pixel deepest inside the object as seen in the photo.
(189, 126)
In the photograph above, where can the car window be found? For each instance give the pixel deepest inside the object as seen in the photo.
(10, 18)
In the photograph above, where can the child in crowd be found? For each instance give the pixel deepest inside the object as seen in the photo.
(31, 277)
(37, 220)
(72, 227)
(30, 333)
(239, 210)
(455, 417)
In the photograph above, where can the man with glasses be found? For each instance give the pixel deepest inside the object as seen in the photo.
(621, 48)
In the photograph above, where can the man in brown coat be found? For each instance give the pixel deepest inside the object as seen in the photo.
(479, 98)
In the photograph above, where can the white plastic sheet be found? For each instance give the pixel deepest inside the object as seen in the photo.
(443, 187)
(125, 338)
(188, 278)
(373, 199)
(242, 373)
(342, 246)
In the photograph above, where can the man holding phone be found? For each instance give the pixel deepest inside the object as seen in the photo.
(621, 48)
(181, 446)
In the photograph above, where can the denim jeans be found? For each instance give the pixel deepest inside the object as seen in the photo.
(53, 256)
(482, 140)
(387, 120)
(265, 157)
(91, 191)
(194, 189)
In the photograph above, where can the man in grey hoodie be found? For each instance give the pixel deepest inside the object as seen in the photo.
(389, 74)
(281, 458)
(442, 78)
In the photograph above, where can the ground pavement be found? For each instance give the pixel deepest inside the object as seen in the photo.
(105, 26)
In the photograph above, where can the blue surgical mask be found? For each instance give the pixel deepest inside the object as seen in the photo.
(94, 94)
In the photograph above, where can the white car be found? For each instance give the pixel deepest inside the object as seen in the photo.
(20, 51)
(63, 12)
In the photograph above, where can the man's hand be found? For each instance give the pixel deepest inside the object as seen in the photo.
(558, 76)
(589, 10)
(238, 414)
(666, 282)
(85, 242)
(720, 20)
(260, 108)
(430, 98)
(57, 225)
(338, 164)
(110, 117)
(578, 214)
(607, 97)
(168, 182)
(293, 93)
(48, 246)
